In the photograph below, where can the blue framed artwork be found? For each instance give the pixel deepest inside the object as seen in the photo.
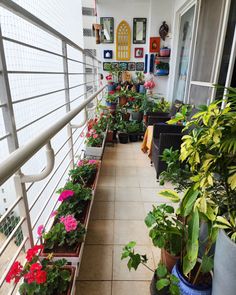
(107, 54)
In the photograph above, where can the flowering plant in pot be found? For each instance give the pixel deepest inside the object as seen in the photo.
(136, 104)
(94, 139)
(74, 200)
(112, 98)
(64, 237)
(149, 85)
(42, 277)
(84, 172)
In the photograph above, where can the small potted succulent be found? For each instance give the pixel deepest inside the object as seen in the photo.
(162, 69)
(42, 277)
(122, 132)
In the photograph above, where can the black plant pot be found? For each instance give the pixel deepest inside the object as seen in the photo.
(137, 116)
(114, 135)
(123, 137)
(153, 289)
(133, 137)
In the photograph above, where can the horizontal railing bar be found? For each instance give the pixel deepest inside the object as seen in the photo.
(37, 96)
(2, 280)
(5, 136)
(3, 105)
(18, 158)
(44, 73)
(72, 87)
(8, 240)
(47, 114)
(9, 210)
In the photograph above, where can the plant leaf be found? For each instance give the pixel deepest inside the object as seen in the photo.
(162, 283)
(171, 195)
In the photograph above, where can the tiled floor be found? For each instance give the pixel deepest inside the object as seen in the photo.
(126, 190)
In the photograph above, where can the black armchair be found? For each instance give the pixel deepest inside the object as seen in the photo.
(164, 136)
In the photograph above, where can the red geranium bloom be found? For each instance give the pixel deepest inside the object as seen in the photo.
(35, 267)
(32, 252)
(40, 277)
(29, 277)
(95, 136)
(14, 272)
(111, 92)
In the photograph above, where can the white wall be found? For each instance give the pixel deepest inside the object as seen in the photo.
(156, 11)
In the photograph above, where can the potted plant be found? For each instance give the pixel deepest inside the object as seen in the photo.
(161, 106)
(75, 200)
(112, 99)
(122, 132)
(133, 129)
(149, 85)
(140, 82)
(163, 282)
(94, 144)
(85, 172)
(123, 95)
(64, 238)
(42, 277)
(110, 83)
(162, 69)
(181, 117)
(136, 104)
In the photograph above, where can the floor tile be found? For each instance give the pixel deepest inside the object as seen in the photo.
(146, 171)
(103, 210)
(93, 288)
(129, 210)
(104, 193)
(106, 180)
(121, 271)
(100, 232)
(96, 263)
(126, 287)
(107, 171)
(128, 194)
(151, 195)
(148, 182)
(130, 230)
(126, 171)
(127, 181)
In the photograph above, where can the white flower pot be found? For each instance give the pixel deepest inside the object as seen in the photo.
(95, 152)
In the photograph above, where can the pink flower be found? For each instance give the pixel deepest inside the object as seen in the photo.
(40, 230)
(70, 222)
(95, 136)
(65, 195)
(80, 163)
(88, 135)
(54, 213)
(82, 134)
(109, 77)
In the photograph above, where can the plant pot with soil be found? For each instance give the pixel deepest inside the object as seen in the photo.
(42, 276)
(122, 132)
(133, 129)
(95, 143)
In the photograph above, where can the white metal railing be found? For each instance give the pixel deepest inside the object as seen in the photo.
(19, 155)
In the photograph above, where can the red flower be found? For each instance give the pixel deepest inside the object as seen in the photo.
(111, 92)
(95, 136)
(29, 277)
(131, 99)
(118, 88)
(88, 135)
(14, 272)
(40, 277)
(32, 252)
(35, 267)
(109, 77)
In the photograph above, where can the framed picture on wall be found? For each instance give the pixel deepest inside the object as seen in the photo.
(138, 52)
(131, 66)
(107, 32)
(123, 66)
(107, 54)
(139, 30)
(106, 66)
(139, 66)
(154, 44)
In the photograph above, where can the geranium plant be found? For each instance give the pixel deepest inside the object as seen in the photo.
(94, 139)
(149, 84)
(112, 97)
(84, 172)
(40, 277)
(66, 232)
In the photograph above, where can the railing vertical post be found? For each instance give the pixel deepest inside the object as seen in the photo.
(85, 76)
(67, 99)
(12, 140)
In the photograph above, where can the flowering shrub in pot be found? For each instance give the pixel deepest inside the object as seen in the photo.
(42, 277)
(149, 85)
(84, 172)
(110, 83)
(64, 237)
(94, 144)
(112, 99)
(74, 200)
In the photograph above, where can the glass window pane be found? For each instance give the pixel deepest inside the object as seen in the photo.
(186, 26)
(206, 39)
(200, 95)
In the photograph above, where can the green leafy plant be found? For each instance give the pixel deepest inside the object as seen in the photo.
(84, 172)
(182, 115)
(166, 231)
(177, 173)
(94, 139)
(112, 97)
(59, 236)
(161, 106)
(140, 77)
(133, 127)
(165, 280)
(122, 127)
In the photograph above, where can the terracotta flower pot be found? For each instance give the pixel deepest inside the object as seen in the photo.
(122, 100)
(168, 259)
(109, 137)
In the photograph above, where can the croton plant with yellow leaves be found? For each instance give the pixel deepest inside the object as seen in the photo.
(210, 150)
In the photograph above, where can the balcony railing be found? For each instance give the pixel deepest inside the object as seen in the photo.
(32, 194)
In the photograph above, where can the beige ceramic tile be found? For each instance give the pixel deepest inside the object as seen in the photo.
(105, 194)
(127, 181)
(96, 263)
(107, 171)
(128, 194)
(148, 182)
(129, 210)
(126, 163)
(130, 230)
(93, 288)
(106, 180)
(125, 287)
(103, 210)
(121, 271)
(146, 172)
(126, 171)
(100, 232)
